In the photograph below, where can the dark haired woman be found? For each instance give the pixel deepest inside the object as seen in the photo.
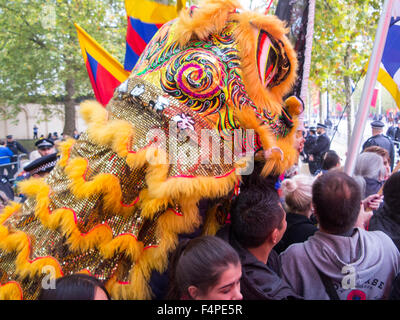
(205, 268)
(76, 287)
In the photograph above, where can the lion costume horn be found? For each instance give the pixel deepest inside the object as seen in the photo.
(118, 198)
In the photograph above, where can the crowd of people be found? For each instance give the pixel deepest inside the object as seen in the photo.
(326, 235)
(17, 163)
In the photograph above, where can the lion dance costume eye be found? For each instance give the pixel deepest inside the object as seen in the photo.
(120, 196)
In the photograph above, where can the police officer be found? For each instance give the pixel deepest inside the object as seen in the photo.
(311, 139)
(16, 148)
(44, 148)
(391, 131)
(317, 152)
(379, 139)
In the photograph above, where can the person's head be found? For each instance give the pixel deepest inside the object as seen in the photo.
(321, 128)
(312, 131)
(391, 192)
(385, 156)
(76, 287)
(2, 142)
(370, 165)
(376, 131)
(205, 268)
(336, 199)
(331, 160)
(257, 218)
(10, 138)
(256, 180)
(45, 147)
(377, 127)
(41, 166)
(297, 192)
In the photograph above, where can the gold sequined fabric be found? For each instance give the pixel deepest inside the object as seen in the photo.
(145, 107)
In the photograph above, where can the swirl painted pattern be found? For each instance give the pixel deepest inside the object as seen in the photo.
(196, 79)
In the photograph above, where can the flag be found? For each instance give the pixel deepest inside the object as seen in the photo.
(389, 72)
(299, 16)
(145, 17)
(105, 72)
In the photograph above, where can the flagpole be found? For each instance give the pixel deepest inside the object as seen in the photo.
(370, 80)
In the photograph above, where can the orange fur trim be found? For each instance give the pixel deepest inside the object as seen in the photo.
(103, 183)
(211, 224)
(169, 225)
(9, 210)
(125, 243)
(160, 186)
(198, 25)
(286, 144)
(11, 291)
(117, 134)
(65, 219)
(20, 243)
(268, 99)
(65, 151)
(294, 106)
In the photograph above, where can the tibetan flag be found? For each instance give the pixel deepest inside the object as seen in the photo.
(105, 72)
(299, 16)
(389, 72)
(145, 17)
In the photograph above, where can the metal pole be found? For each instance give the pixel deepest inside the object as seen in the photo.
(327, 104)
(370, 80)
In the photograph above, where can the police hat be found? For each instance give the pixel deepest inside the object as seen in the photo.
(44, 143)
(377, 124)
(9, 136)
(42, 165)
(313, 129)
(321, 125)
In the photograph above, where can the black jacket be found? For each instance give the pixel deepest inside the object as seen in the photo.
(387, 221)
(321, 146)
(259, 281)
(16, 147)
(299, 229)
(309, 143)
(381, 141)
(396, 136)
(391, 132)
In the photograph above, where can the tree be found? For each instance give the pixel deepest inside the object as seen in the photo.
(343, 37)
(40, 54)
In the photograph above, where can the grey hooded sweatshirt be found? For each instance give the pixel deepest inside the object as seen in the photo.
(362, 266)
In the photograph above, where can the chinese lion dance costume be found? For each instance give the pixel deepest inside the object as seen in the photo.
(115, 203)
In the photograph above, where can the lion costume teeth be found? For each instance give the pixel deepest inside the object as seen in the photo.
(119, 196)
